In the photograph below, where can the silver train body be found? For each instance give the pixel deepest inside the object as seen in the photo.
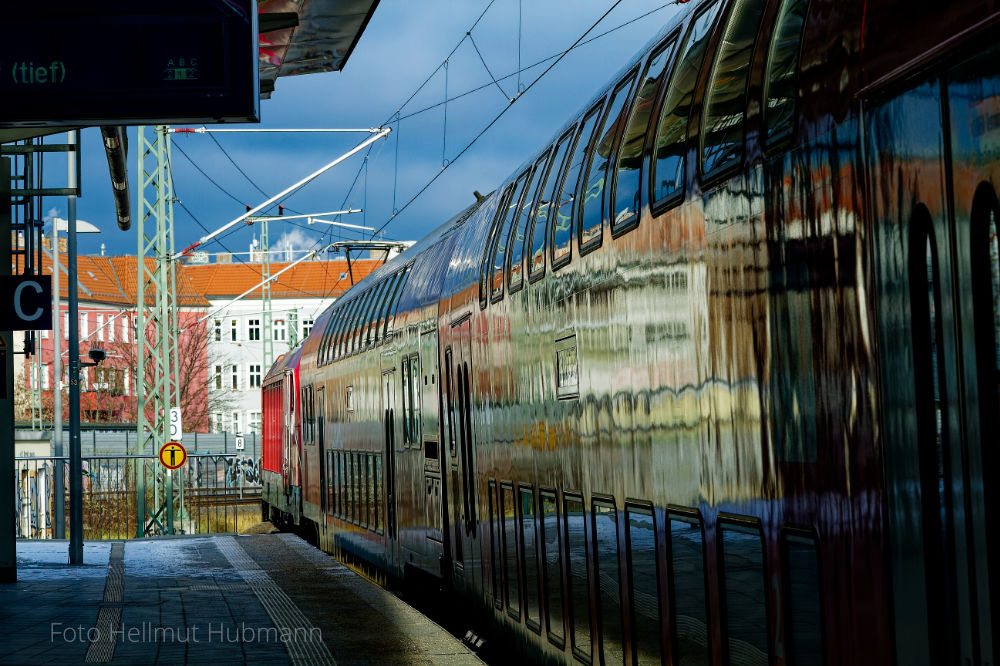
(712, 377)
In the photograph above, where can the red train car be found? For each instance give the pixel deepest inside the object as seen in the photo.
(281, 450)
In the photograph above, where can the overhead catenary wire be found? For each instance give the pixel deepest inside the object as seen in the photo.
(496, 118)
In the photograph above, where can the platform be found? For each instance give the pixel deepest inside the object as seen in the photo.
(221, 599)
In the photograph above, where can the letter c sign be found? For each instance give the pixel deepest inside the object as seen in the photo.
(28, 301)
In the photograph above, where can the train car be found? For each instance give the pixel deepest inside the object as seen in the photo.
(712, 377)
(281, 440)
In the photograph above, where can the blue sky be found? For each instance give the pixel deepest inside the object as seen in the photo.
(402, 45)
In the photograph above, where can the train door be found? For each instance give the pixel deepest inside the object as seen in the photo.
(289, 443)
(461, 450)
(389, 439)
(932, 399)
(426, 378)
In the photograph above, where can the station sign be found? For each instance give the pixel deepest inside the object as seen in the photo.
(26, 301)
(118, 62)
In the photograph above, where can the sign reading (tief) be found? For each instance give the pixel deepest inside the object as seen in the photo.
(173, 455)
(122, 62)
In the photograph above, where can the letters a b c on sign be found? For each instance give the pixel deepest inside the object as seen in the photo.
(27, 302)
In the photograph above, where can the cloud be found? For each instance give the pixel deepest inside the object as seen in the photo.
(290, 244)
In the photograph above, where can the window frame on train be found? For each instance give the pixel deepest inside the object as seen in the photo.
(666, 48)
(592, 114)
(527, 213)
(554, 631)
(582, 646)
(742, 525)
(558, 164)
(692, 518)
(606, 622)
(486, 264)
(660, 204)
(738, 13)
(502, 240)
(776, 138)
(647, 510)
(807, 537)
(624, 90)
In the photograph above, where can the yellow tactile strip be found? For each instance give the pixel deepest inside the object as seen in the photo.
(102, 648)
(304, 640)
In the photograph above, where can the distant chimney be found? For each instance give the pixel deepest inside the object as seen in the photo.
(102, 249)
(223, 258)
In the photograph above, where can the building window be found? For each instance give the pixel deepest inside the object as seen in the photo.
(216, 424)
(125, 322)
(254, 422)
(236, 422)
(45, 378)
(100, 326)
(307, 325)
(279, 330)
(218, 330)
(236, 378)
(254, 376)
(111, 328)
(218, 376)
(253, 329)
(126, 388)
(65, 326)
(233, 327)
(83, 325)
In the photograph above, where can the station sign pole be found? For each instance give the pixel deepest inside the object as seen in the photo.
(8, 549)
(75, 459)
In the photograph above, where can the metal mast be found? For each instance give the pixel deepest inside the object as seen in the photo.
(157, 387)
(267, 334)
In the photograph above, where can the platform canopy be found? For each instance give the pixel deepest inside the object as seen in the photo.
(321, 38)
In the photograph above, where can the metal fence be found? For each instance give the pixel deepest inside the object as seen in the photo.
(126, 496)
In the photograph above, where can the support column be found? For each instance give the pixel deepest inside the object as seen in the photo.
(156, 322)
(8, 552)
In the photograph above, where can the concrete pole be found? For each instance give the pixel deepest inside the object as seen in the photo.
(75, 456)
(58, 484)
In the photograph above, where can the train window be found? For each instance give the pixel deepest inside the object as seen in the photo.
(494, 544)
(331, 477)
(359, 321)
(329, 481)
(338, 483)
(782, 67)
(643, 580)
(330, 334)
(348, 485)
(503, 236)
(625, 206)
(667, 178)
(551, 569)
(687, 568)
(324, 341)
(390, 319)
(540, 220)
(609, 599)
(725, 104)
(415, 406)
(450, 402)
(511, 564)
(372, 315)
(378, 493)
(745, 593)
(345, 329)
(805, 606)
(484, 269)
(579, 581)
(407, 397)
(515, 268)
(592, 198)
(530, 553)
(374, 331)
(390, 294)
(367, 493)
(338, 329)
(561, 234)
(343, 484)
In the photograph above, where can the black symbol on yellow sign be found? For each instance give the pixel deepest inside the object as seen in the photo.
(172, 455)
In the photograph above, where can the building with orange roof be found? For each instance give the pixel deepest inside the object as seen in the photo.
(220, 341)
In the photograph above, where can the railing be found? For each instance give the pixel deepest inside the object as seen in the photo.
(211, 493)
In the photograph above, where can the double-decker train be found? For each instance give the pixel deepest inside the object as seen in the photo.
(713, 377)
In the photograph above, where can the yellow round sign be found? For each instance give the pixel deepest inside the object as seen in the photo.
(172, 455)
